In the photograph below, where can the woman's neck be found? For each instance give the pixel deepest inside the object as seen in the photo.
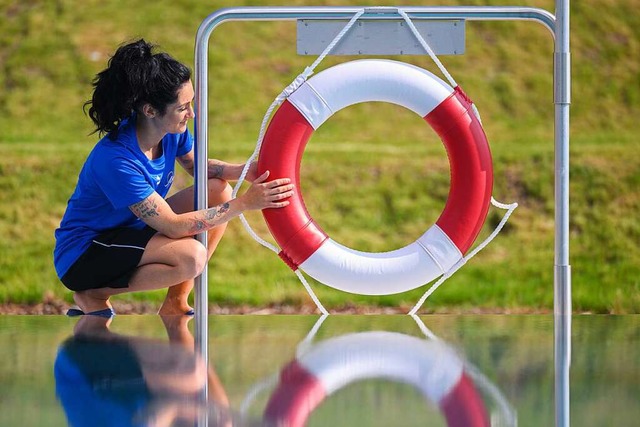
(149, 138)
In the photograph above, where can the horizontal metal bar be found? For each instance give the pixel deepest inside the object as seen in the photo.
(546, 18)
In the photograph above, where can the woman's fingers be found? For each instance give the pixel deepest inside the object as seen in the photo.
(277, 182)
(276, 195)
(279, 189)
(283, 194)
(261, 178)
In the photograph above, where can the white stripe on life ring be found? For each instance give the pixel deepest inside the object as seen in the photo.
(369, 273)
(366, 81)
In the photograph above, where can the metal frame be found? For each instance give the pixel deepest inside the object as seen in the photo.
(558, 26)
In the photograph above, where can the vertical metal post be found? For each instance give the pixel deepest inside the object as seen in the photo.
(201, 202)
(562, 269)
(562, 100)
(201, 300)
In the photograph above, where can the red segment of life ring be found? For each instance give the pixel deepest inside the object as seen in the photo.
(429, 366)
(306, 246)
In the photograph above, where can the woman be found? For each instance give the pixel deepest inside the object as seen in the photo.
(119, 233)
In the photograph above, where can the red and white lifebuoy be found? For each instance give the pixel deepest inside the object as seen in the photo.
(306, 246)
(429, 366)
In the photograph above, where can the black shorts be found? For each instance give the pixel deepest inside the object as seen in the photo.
(110, 260)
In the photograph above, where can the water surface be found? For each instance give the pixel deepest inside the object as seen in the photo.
(306, 370)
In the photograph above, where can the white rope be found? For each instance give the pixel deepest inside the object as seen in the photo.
(509, 208)
(423, 328)
(297, 82)
(433, 56)
(426, 47)
(286, 92)
(271, 381)
(505, 413)
(268, 383)
(304, 345)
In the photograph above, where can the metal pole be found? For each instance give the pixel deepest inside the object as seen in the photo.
(562, 99)
(562, 269)
(201, 201)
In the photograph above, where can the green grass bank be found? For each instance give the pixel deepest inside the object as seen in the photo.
(374, 176)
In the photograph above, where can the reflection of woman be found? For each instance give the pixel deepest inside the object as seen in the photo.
(103, 378)
(119, 232)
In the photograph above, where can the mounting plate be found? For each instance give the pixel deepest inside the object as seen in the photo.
(381, 37)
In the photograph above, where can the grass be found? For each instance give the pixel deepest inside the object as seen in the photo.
(372, 183)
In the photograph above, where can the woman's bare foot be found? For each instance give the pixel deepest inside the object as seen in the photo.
(175, 307)
(176, 302)
(91, 300)
(171, 310)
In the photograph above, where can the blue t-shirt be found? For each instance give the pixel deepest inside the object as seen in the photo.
(115, 175)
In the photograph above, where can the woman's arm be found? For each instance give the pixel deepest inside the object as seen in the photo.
(218, 168)
(156, 212)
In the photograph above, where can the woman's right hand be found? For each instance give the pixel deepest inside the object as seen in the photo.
(267, 194)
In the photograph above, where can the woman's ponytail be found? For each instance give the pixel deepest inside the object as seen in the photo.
(134, 76)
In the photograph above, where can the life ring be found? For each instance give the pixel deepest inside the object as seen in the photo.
(306, 246)
(429, 366)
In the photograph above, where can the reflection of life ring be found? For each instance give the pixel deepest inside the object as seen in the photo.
(306, 246)
(429, 366)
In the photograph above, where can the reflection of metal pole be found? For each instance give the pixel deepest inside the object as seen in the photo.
(562, 361)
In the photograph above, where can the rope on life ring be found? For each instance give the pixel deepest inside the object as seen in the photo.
(429, 366)
(304, 245)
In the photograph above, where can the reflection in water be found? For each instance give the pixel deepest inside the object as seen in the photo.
(104, 378)
(430, 366)
(562, 361)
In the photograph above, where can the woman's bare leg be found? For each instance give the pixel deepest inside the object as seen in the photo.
(164, 263)
(176, 301)
(168, 263)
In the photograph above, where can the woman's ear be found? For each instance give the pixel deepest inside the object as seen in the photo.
(148, 111)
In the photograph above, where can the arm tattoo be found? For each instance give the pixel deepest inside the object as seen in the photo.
(210, 215)
(145, 209)
(215, 171)
(217, 211)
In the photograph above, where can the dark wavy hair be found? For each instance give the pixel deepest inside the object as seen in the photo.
(135, 75)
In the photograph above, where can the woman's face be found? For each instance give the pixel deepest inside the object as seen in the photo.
(177, 115)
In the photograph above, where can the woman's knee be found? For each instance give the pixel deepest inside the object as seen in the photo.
(187, 256)
(219, 191)
(194, 257)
